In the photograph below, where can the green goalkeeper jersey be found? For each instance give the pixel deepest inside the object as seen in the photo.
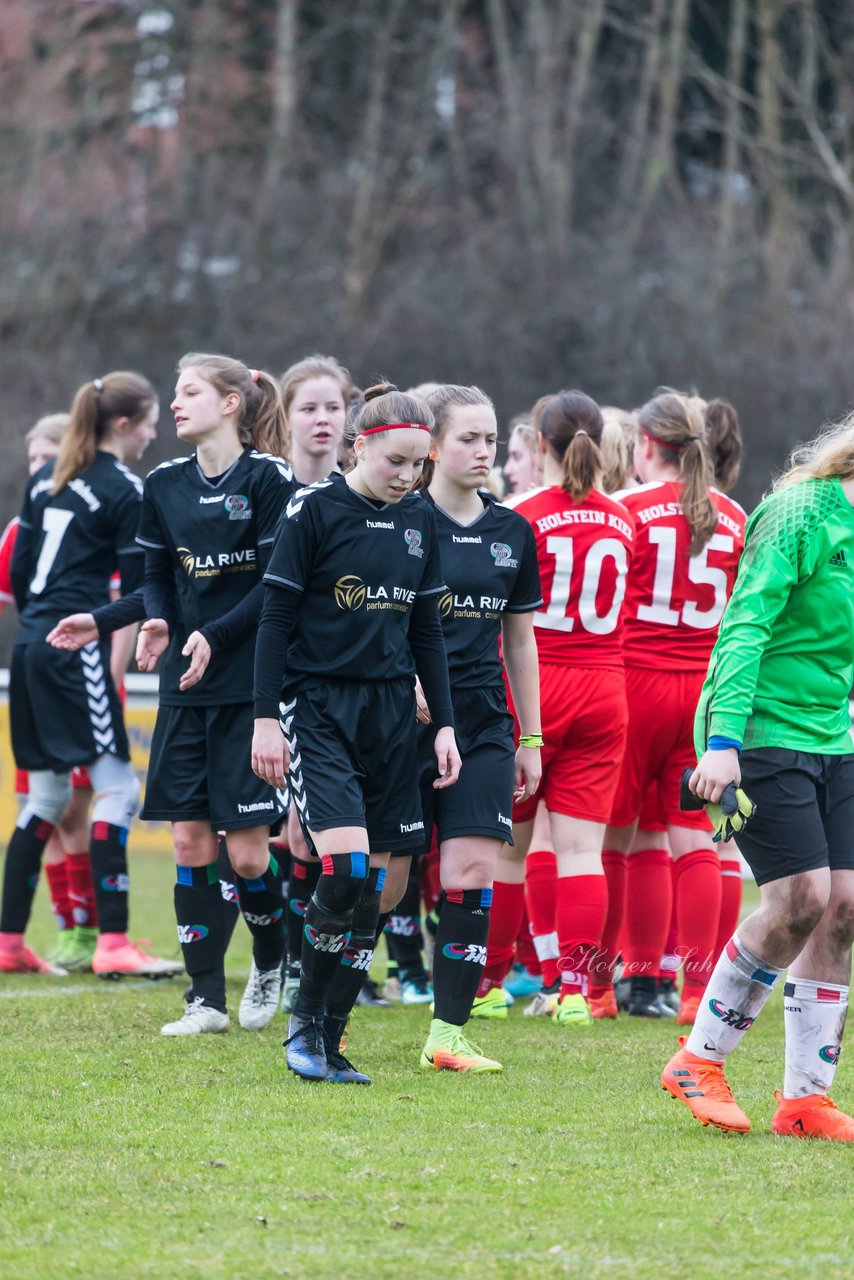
(782, 670)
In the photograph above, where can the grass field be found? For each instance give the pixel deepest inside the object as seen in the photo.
(125, 1154)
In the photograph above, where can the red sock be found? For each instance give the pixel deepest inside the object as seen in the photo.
(731, 886)
(649, 889)
(669, 967)
(60, 903)
(81, 891)
(508, 903)
(603, 967)
(431, 881)
(582, 904)
(698, 910)
(541, 896)
(526, 953)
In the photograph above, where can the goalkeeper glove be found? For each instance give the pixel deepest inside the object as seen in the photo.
(731, 814)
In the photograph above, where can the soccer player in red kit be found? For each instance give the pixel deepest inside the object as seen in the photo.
(689, 539)
(584, 546)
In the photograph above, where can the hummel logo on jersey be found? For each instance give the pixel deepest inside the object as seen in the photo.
(257, 807)
(206, 500)
(406, 827)
(379, 524)
(505, 821)
(455, 538)
(838, 559)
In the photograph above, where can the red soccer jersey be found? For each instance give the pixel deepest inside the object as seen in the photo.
(584, 550)
(7, 546)
(674, 601)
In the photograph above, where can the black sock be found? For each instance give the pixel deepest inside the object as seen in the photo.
(302, 884)
(355, 959)
(229, 897)
(21, 873)
(460, 953)
(262, 907)
(326, 931)
(198, 910)
(108, 851)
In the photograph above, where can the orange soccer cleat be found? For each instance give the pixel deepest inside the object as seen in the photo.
(603, 1006)
(815, 1116)
(702, 1086)
(687, 1015)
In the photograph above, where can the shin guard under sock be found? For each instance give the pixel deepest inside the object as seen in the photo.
(229, 896)
(355, 960)
(326, 931)
(21, 873)
(108, 852)
(541, 902)
(301, 885)
(263, 907)
(56, 874)
(582, 902)
(649, 889)
(81, 890)
(508, 904)
(603, 966)
(740, 984)
(198, 910)
(698, 909)
(460, 954)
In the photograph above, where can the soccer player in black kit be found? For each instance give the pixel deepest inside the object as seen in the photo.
(78, 524)
(489, 561)
(207, 525)
(349, 617)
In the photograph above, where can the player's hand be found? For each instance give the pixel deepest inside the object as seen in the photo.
(529, 771)
(198, 651)
(716, 770)
(447, 758)
(422, 711)
(153, 641)
(731, 815)
(73, 632)
(270, 754)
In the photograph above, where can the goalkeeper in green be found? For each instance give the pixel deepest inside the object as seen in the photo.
(774, 719)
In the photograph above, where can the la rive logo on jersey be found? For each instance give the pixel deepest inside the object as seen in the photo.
(201, 565)
(352, 593)
(472, 607)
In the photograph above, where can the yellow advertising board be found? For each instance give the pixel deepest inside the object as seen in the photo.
(140, 712)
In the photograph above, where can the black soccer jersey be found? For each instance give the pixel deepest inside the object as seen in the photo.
(491, 568)
(217, 536)
(360, 566)
(70, 543)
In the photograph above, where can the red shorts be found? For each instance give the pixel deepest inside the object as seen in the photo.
(650, 814)
(660, 746)
(80, 780)
(584, 717)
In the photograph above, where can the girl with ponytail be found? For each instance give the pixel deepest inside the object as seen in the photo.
(584, 542)
(689, 539)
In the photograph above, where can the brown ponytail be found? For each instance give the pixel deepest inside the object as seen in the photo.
(96, 407)
(571, 424)
(724, 443)
(676, 425)
(261, 421)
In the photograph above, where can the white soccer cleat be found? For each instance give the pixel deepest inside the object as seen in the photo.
(260, 1000)
(198, 1017)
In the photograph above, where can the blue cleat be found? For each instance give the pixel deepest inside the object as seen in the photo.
(306, 1048)
(520, 983)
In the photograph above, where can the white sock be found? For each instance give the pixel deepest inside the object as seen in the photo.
(814, 1017)
(738, 988)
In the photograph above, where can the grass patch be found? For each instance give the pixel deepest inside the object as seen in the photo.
(126, 1154)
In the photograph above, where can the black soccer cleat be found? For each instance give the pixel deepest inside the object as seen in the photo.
(305, 1048)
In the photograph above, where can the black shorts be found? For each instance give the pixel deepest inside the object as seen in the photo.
(480, 801)
(804, 812)
(200, 770)
(354, 760)
(63, 707)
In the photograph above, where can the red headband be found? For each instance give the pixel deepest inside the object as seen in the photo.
(391, 426)
(665, 444)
